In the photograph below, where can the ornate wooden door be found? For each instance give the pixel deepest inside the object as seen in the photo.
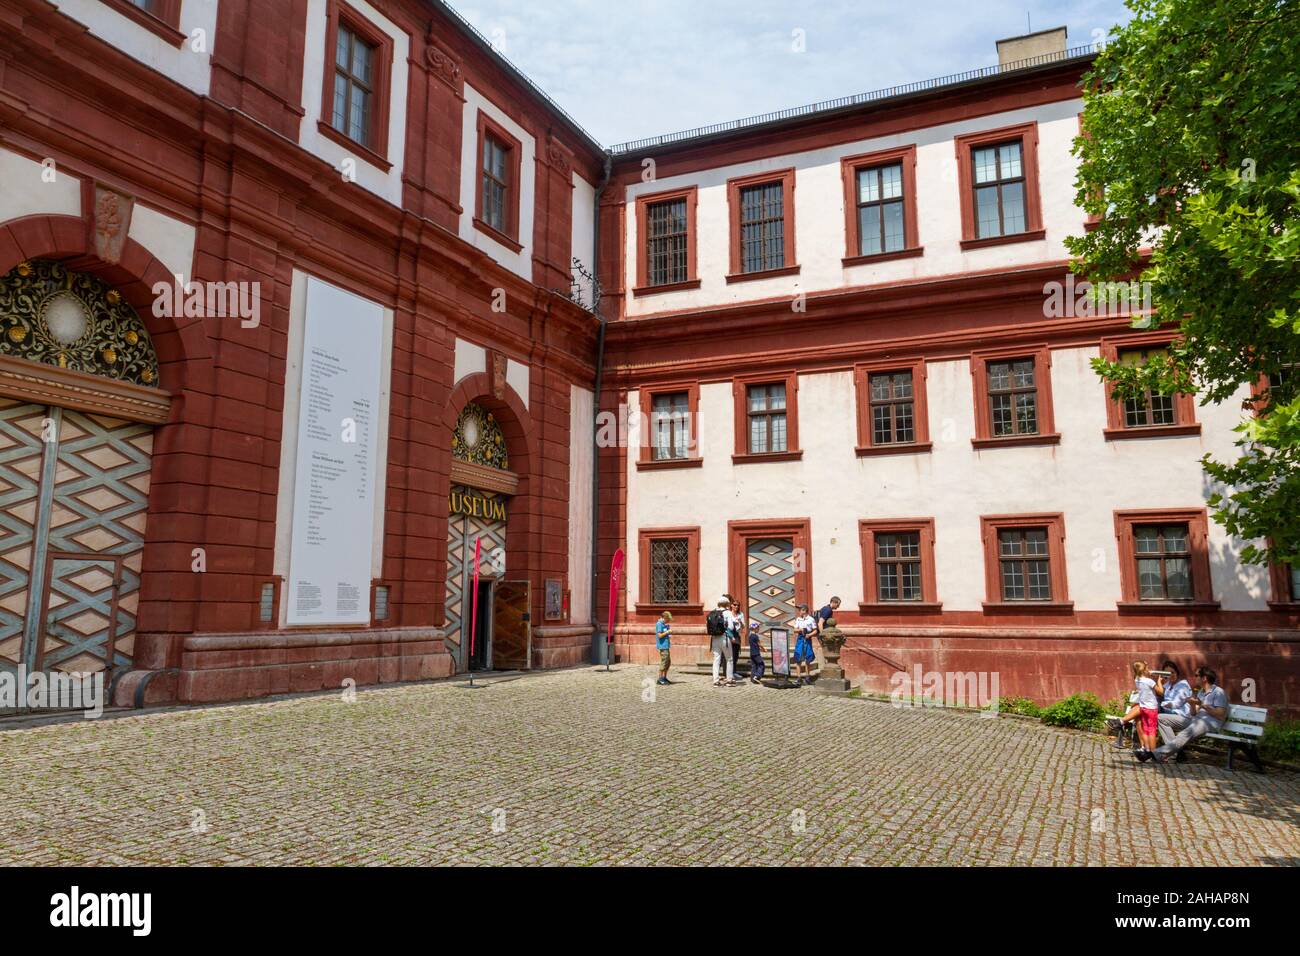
(512, 630)
(21, 457)
(74, 492)
(462, 532)
(771, 580)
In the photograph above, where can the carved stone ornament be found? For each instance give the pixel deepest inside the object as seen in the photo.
(112, 223)
(497, 374)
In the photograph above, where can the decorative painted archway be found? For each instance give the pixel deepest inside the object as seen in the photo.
(74, 478)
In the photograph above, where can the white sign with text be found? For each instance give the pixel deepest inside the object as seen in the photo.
(334, 479)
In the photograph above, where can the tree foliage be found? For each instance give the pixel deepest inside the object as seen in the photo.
(1190, 156)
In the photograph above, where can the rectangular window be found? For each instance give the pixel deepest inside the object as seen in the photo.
(670, 571)
(880, 210)
(1013, 397)
(1164, 562)
(496, 183)
(1295, 583)
(767, 424)
(1024, 564)
(998, 178)
(667, 242)
(354, 90)
(892, 412)
(1151, 408)
(670, 424)
(898, 566)
(762, 227)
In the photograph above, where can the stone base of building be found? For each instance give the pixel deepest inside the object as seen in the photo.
(1048, 664)
(205, 668)
(561, 646)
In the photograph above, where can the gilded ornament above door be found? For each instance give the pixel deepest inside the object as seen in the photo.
(72, 320)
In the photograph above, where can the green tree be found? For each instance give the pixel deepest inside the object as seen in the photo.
(1191, 149)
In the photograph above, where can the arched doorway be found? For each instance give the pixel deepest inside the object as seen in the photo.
(74, 470)
(488, 628)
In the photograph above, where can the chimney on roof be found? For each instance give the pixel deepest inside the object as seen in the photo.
(1026, 47)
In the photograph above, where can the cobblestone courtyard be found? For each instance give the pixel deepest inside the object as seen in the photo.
(576, 767)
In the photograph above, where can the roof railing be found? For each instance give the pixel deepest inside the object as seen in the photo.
(843, 102)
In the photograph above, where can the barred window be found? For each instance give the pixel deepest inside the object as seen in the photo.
(1295, 582)
(898, 566)
(1164, 562)
(880, 209)
(1013, 397)
(496, 182)
(999, 182)
(670, 571)
(667, 242)
(762, 227)
(892, 409)
(1151, 408)
(1024, 564)
(354, 64)
(670, 423)
(766, 406)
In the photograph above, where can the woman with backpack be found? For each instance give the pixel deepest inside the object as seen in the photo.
(720, 643)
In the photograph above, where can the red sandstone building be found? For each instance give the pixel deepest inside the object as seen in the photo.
(297, 319)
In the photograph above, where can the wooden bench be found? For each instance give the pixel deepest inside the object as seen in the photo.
(1243, 728)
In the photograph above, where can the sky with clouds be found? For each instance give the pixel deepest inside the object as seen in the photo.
(627, 69)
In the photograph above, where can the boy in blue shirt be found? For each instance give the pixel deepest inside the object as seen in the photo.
(663, 642)
(756, 665)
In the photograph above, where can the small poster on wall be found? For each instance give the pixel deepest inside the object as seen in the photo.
(780, 651)
(554, 600)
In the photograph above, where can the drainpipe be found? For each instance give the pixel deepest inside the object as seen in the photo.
(595, 404)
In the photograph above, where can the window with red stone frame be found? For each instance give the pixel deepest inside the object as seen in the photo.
(761, 214)
(757, 405)
(1153, 415)
(497, 178)
(1024, 563)
(898, 574)
(1006, 176)
(1169, 543)
(355, 78)
(666, 238)
(893, 418)
(160, 17)
(877, 196)
(1008, 383)
(670, 416)
(668, 562)
(1285, 579)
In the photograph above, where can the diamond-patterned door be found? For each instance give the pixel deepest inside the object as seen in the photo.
(771, 580)
(21, 458)
(462, 532)
(74, 492)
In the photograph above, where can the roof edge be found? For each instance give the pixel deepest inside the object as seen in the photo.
(1079, 54)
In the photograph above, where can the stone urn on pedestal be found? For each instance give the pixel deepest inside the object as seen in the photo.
(832, 680)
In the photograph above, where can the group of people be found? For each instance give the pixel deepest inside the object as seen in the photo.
(726, 623)
(1167, 706)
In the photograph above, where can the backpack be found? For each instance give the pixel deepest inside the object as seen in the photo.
(715, 623)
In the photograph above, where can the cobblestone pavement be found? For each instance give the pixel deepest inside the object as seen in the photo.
(577, 767)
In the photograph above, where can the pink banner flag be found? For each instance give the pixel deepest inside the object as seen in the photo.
(473, 621)
(615, 573)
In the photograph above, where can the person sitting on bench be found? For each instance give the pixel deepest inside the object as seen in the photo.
(1209, 708)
